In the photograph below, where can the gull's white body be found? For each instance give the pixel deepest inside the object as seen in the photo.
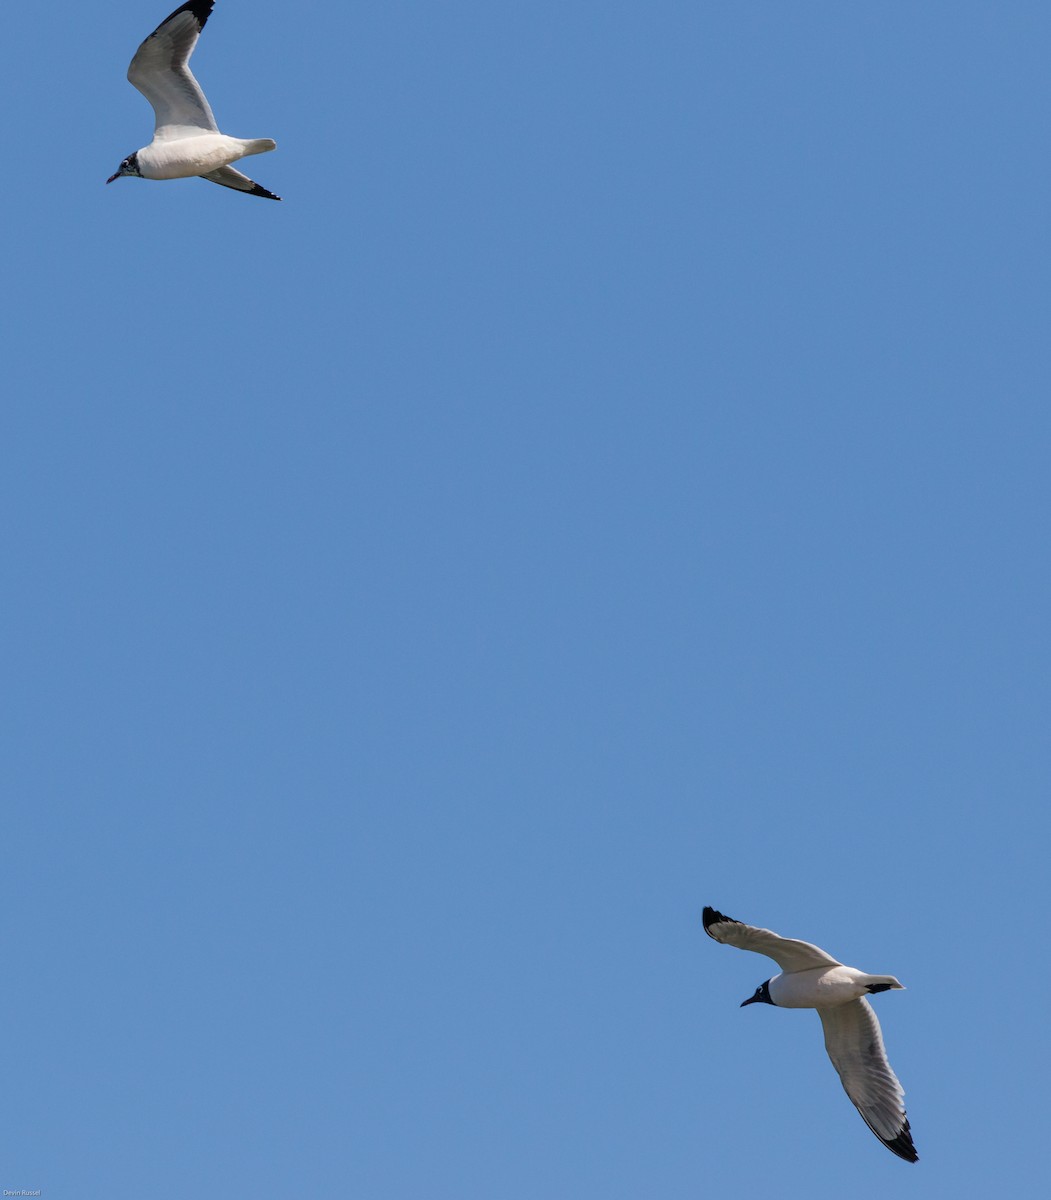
(812, 978)
(186, 138)
(821, 986)
(196, 155)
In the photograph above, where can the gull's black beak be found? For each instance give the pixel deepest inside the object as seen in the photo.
(750, 1000)
(112, 177)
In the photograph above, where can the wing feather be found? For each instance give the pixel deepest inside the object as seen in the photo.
(855, 1044)
(789, 954)
(160, 72)
(228, 177)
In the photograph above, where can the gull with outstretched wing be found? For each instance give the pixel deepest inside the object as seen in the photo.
(186, 139)
(812, 978)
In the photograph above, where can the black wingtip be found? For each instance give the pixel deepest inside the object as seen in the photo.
(259, 190)
(712, 916)
(201, 9)
(902, 1145)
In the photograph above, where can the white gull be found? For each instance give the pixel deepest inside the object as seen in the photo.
(186, 140)
(810, 978)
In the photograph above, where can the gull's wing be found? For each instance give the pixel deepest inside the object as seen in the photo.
(160, 72)
(855, 1045)
(230, 178)
(789, 954)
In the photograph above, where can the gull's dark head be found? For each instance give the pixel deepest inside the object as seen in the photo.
(760, 996)
(130, 166)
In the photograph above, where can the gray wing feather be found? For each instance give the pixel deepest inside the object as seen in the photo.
(228, 177)
(789, 954)
(855, 1045)
(160, 72)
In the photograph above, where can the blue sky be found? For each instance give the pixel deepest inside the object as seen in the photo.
(614, 480)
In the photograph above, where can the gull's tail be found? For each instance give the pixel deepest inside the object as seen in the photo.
(881, 983)
(258, 145)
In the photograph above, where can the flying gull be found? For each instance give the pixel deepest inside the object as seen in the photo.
(186, 140)
(810, 978)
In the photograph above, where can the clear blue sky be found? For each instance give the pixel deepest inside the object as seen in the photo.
(614, 480)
